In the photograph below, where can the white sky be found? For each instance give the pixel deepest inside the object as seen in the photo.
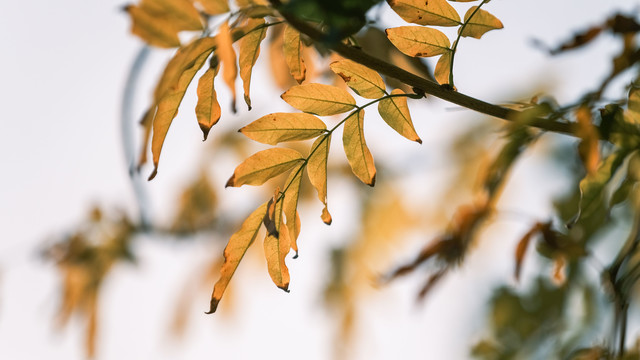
(62, 70)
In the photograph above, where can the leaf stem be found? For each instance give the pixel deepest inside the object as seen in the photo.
(455, 43)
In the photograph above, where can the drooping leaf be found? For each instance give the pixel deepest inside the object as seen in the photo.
(364, 81)
(481, 22)
(395, 112)
(292, 48)
(208, 110)
(278, 64)
(249, 52)
(290, 206)
(214, 7)
(588, 148)
(280, 127)
(178, 75)
(429, 12)
(234, 251)
(227, 57)
(276, 248)
(264, 165)
(419, 41)
(146, 123)
(317, 172)
(319, 99)
(356, 149)
(443, 68)
(153, 30)
(523, 245)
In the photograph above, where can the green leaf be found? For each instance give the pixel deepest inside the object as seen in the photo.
(419, 41)
(280, 127)
(395, 112)
(319, 99)
(264, 165)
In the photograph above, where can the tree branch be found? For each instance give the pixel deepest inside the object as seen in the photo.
(426, 85)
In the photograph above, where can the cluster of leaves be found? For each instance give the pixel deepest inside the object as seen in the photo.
(248, 25)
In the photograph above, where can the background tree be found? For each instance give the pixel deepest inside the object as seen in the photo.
(534, 322)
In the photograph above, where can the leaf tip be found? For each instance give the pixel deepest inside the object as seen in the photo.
(372, 183)
(205, 131)
(231, 181)
(419, 141)
(296, 255)
(213, 306)
(153, 173)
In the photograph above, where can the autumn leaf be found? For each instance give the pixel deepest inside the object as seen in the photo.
(276, 248)
(419, 41)
(589, 146)
(290, 206)
(395, 112)
(234, 252)
(182, 12)
(292, 48)
(227, 57)
(153, 30)
(443, 68)
(522, 247)
(264, 165)
(480, 23)
(356, 149)
(214, 7)
(421, 12)
(278, 64)
(179, 74)
(317, 172)
(208, 110)
(249, 52)
(319, 99)
(280, 127)
(146, 123)
(364, 81)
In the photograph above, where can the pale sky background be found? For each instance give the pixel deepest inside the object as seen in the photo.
(63, 69)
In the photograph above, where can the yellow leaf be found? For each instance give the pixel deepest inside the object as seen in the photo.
(227, 57)
(443, 68)
(292, 49)
(214, 7)
(480, 23)
(146, 123)
(179, 74)
(364, 81)
(207, 109)
(279, 68)
(276, 248)
(319, 99)
(280, 127)
(264, 165)
(181, 13)
(395, 112)
(234, 251)
(418, 41)
(632, 115)
(356, 149)
(153, 30)
(429, 12)
(317, 171)
(290, 206)
(249, 52)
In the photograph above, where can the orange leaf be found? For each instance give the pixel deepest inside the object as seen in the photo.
(317, 171)
(293, 53)
(290, 206)
(249, 52)
(421, 12)
(364, 81)
(480, 23)
(234, 252)
(356, 149)
(521, 249)
(214, 7)
(395, 112)
(589, 146)
(319, 99)
(155, 31)
(173, 85)
(264, 165)
(419, 41)
(208, 109)
(276, 248)
(443, 68)
(227, 57)
(280, 127)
